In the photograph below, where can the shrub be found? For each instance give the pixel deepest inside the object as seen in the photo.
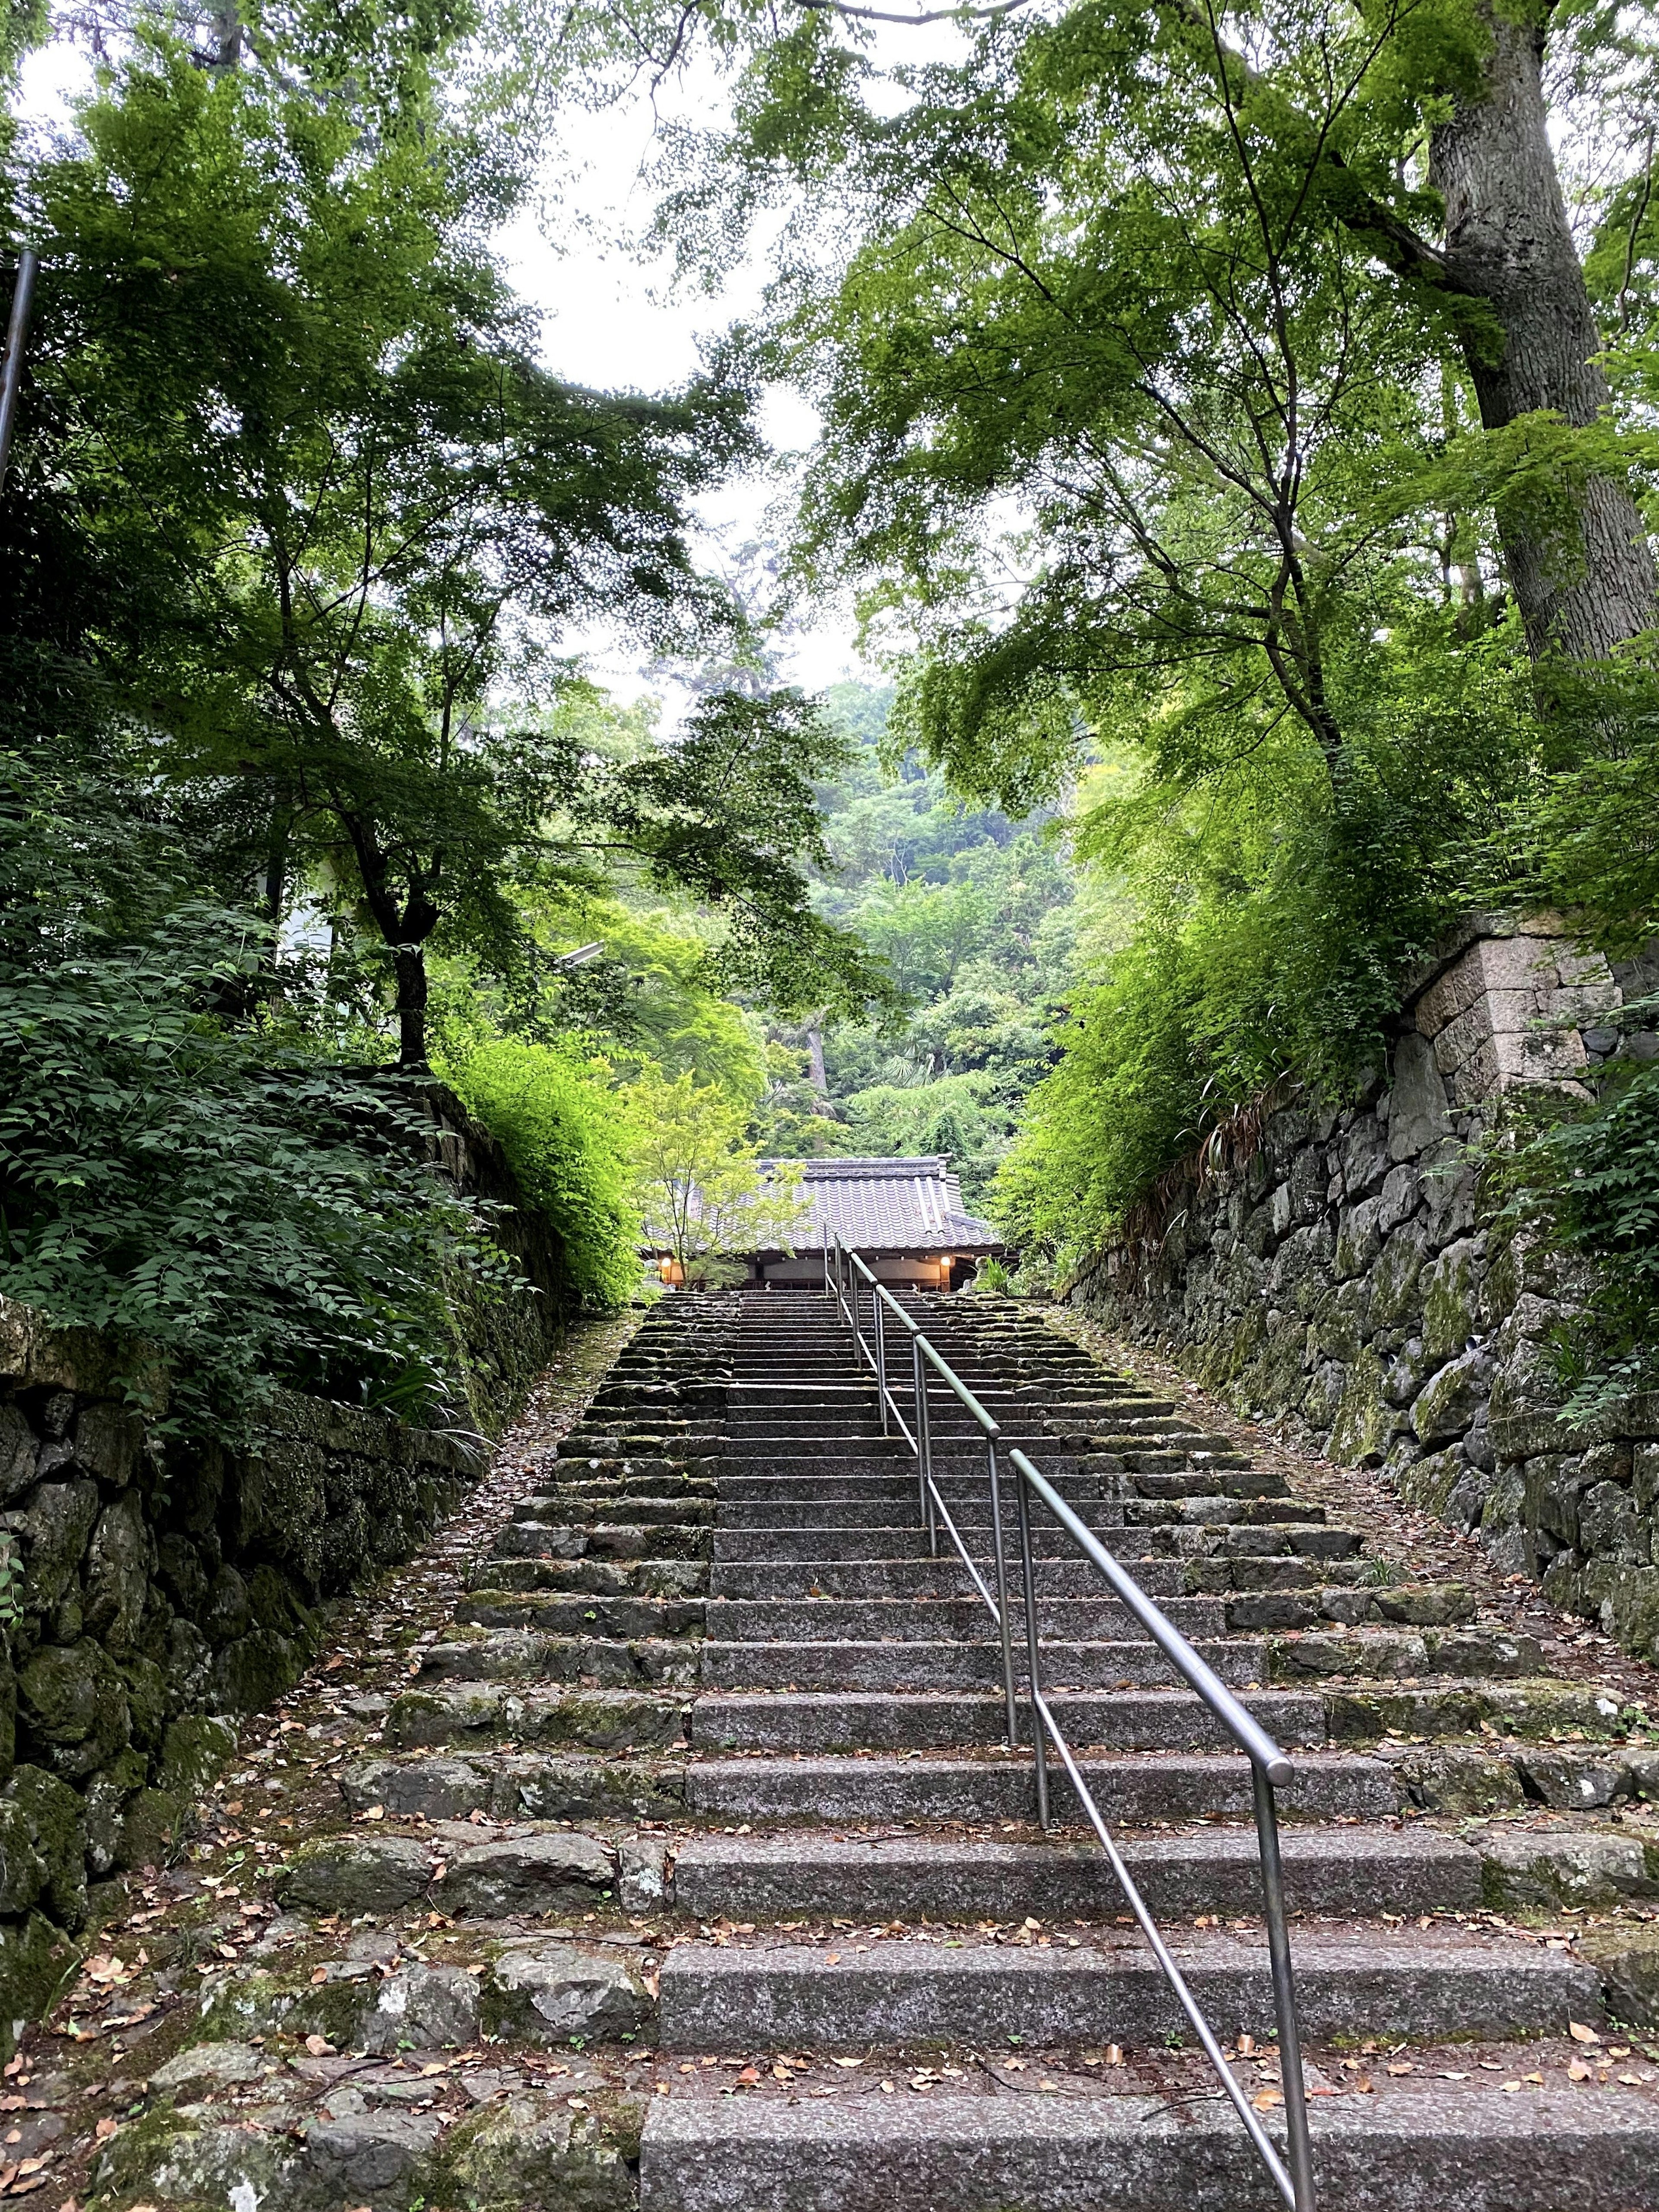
(562, 1130)
(257, 1213)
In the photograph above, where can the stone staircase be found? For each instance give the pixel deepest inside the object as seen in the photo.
(851, 1680)
(711, 1703)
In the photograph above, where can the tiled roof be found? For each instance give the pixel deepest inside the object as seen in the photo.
(888, 1205)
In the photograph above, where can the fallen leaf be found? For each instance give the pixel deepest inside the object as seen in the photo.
(1509, 2087)
(1407, 2068)
(320, 2046)
(1631, 2078)
(320, 1974)
(1267, 2101)
(750, 2074)
(375, 1812)
(1578, 2071)
(1580, 2033)
(107, 2127)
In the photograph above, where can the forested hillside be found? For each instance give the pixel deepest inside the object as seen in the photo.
(302, 803)
(1253, 514)
(973, 914)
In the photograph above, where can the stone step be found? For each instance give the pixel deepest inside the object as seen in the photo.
(593, 1719)
(812, 1722)
(1358, 1872)
(1325, 1598)
(521, 1785)
(518, 1654)
(891, 1579)
(1377, 1654)
(1259, 1534)
(1130, 1790)
(784, 1474)
(912, 1665)
(1209, 1509)
(541, 1540)
(876, 1620)
(579, 1506)
(765, 1996)
(644, 1577)
(1409, 2148)
(559, 1616)
(882, 1512)
(1530, 1710)
(903, 1541)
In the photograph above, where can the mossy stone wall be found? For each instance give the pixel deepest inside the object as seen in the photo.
(155, 1592)
(1341, 1275)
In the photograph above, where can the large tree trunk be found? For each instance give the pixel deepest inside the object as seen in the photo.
(1585, 590)
(409, 966)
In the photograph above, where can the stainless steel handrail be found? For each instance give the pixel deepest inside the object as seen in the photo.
(1270, 1768)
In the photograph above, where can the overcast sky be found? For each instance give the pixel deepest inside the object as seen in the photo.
(609, 321)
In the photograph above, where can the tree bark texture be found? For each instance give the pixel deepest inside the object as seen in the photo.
(409, 966)
(1582, 591)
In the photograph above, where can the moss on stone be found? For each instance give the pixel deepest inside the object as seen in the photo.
(193, 1750)
(58, 1823)
(34, 1959)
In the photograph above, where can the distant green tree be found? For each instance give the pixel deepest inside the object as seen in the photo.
(296, 397)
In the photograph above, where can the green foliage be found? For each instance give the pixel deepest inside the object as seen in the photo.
(972, 914)
(697, 1180)
(252, 1213)
(559, 1123)
(1588, 1179)
(963, 1115)
(342, 513)
(1584, 835)
(1271, 915)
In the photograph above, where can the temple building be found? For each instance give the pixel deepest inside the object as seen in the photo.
(905, 1217)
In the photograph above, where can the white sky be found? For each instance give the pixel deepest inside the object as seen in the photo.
(610, 321)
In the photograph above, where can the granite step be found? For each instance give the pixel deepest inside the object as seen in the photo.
(1130, 1790)
(816, 1722)
(875, 1620)
(1360, 1873)
(911, 1664)
(1412, 2149)
(1355, 1872)
(913, 1990)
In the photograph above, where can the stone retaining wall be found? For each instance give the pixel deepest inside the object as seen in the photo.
(1337, 1268)
(153, 1592)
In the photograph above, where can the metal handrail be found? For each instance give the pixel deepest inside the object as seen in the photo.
(1270, 1767)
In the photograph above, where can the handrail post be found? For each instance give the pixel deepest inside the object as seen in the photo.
(879, 1313)
(1003, 1625)
(1028, 1580)
(924, 1445)
(1297, 2142)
